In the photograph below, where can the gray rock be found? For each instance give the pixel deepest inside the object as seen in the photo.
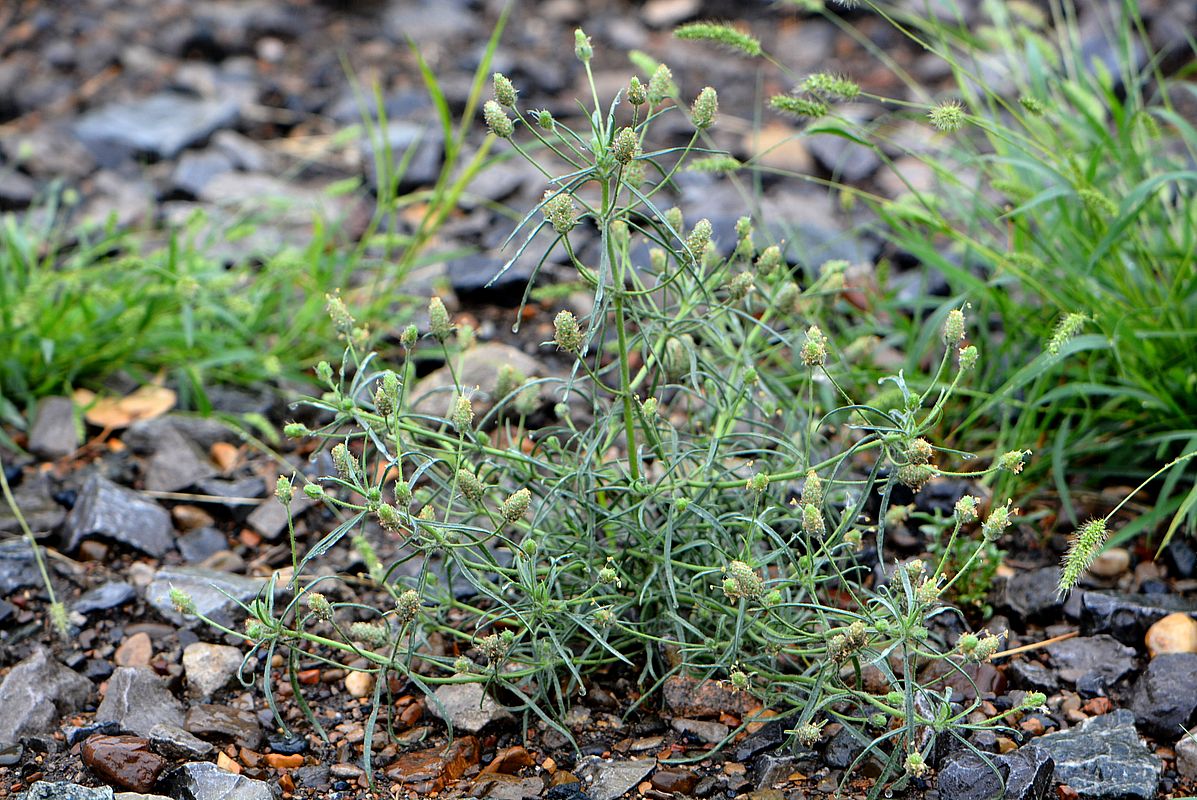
(1032, 593)
(160, 125)
(1104, 757)
(174, 742)
(772, 769)
(607, 780)
(1100, 656)
(210, 721)
(434, 19)
(175, 464)
(198, 544)
(105, 509)
(471, 280)
(36, 693)
(1186, 756)
(1032, 676)
(35, 498)
(209, 589)
(243, 153)
(1031, 775)
(479, 366)
(206, 781)
(709, 732)
(209, 667)
(17, 566)
(844, 159)
(1165, 695)
(270, 518)
(196, 168)
(1127, 617)
(843, 749)
(465, 706)
(64, 790)
(49, 151)
(54, 434)
(424, 166)
(1024, 774)
(138, 700)
(105, 596)
(17, 190)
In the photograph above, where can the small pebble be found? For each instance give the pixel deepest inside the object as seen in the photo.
(359, 684)
(134, 651)
(1111, 563)
(1175, 633)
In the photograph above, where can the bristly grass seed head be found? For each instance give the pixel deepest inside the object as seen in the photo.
(716, 164)
(814, 348)
(463, 414)
(438, 319)
(505, 91)
(560, 211)
(637, 92)
(1086, 542)
(720, 33)
(583, 49)
(798, 106)
(661, 85)
(626, 145)
(515, 506)
(1066, 330)
(566, 333)
(836, 87)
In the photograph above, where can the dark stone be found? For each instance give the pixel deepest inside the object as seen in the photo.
(175, 464)
(174, 742)
(270, 518)
(97, 669)
(843, 749)
(1024, 774)
(286, 745)
(76, 735)
(844, 159)
(210, 721)
(767, 738)
(17, 566)
(17, 191)
(160, 125)
(1032, 676)
(36, 693)
(1104, 757)
(1032, 594)
(200, 543)
(105, 509)
(207, 589)
(1101, 655)
(54, 434)
(11, 755)
(312, 777)
(125, 761)
(35, 498)
(206, 781)
(1165, 695)
(138, 700)
(105, 596)
(1180, 558)
(469, 277)
(1127, 617)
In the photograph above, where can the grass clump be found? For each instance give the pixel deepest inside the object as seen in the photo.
(698, 496)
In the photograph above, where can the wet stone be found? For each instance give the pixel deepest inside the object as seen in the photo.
(105, 509)
(703, 731)
(54, 434)
(105, 596)
(206, 781)
(689, 697)
(207, 589)
(76, 735)
(209, 721)
(1025, 774)
(1104, 757)
(842, 750)
(1127, 617)
(1165, 695)
(36, 693)
(433, 769)
(174, 742)
(1032, 676)
(160, 125)
(767, 738)
(124, 761)
(674, 780)
(138, 700)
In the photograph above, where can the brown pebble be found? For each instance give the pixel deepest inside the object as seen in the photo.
(135, 651)
(280, 761)
(359, 684)
(124, 761)
(189, 518)
(509, 761)
(674, 780)
(1111, 563)
(1098, 706)
(227, 764)
(1033, 726)
(224, 455)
